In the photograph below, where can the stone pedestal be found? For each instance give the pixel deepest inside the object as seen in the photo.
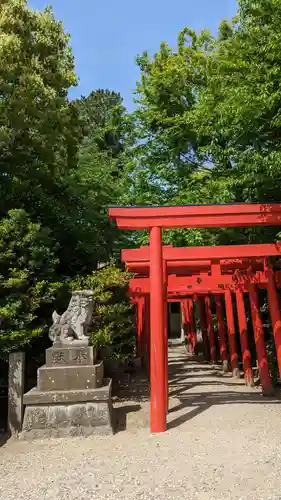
(71, 398)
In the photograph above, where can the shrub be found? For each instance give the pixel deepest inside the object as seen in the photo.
(27, 285)
(113, 318)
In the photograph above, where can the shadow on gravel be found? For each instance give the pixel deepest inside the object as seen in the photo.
(183, 371)
(186, 373)
(131, 391)
(185, 387)
(132, 387)
(4, 438)
(196, 403)
(120, 416)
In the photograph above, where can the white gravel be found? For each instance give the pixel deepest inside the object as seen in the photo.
(223, 442)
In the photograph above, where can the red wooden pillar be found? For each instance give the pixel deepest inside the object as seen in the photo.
(274, 309)
(210, 329)
(186, 323)
(143, 326)
(165, 283)
(193, 333)
(184, 317)
(222, 334)
(246, 355)
(259, 341)
(157, 335)
(147, 329)
(140, 325)
(203, 323)
(231, 334)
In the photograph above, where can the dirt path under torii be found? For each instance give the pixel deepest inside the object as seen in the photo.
(223, 442)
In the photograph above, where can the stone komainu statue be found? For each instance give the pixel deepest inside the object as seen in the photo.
(73, 324)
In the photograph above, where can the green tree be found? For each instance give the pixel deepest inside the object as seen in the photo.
(169, 164)
(239, 109)
(39, 127)
(209, 120)
(53, 174)
(102, 113)
(100, 173)
(27, 280)
(167, 147)
(37, 135)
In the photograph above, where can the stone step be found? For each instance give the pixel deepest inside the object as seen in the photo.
(60, 378)
(35, 397)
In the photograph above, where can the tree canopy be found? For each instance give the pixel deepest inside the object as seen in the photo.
(60, 166)
(208, 120)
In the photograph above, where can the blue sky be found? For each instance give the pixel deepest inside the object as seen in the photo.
(107, 35)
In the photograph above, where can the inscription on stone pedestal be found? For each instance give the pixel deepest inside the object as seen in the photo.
(58, 358)
(80, 357)
(75, 356)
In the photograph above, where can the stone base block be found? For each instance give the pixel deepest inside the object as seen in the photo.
(67, 413)
(69, 355)
(56, 378)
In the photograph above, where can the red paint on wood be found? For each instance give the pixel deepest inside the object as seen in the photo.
(157, 334)
(274, 309)
(185, 318)
(203, 323)
(196, 216)
(193, 333)
(231, 333)
(147, 329)
(207, 253)
(221, 333)
(188, 217)
(140, 325)
(188, 267)
(259, 341)
(188, 324)
(165, 284)
(189, 285)
(242, 322)
(210, 329)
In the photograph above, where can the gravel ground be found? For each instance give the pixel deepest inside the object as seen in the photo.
(223, 442)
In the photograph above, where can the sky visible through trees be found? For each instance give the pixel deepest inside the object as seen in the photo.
(106, 37)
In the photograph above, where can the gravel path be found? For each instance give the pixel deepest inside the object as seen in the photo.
(223, 442)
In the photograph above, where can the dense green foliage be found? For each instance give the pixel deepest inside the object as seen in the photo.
(100, 169)
(39, 129)
(27, 266)
(61, 165)
(206, 129)
(112, 325)
(208, 120)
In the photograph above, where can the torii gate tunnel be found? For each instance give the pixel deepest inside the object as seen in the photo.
(193, 274)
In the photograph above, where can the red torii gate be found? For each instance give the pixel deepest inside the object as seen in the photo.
(187, 267)
(200, 216)
(216, 284)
